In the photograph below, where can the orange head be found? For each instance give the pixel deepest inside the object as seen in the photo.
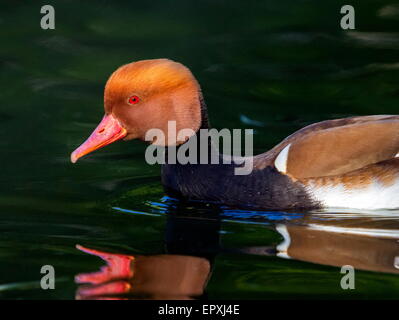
(146, 95)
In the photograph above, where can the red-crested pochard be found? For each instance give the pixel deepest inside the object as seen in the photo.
(349, 162)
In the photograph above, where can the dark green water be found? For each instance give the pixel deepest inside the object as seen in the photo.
(274, 66)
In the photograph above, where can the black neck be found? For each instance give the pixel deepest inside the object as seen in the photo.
(204, 112)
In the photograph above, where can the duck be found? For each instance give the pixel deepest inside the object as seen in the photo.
(342, 163)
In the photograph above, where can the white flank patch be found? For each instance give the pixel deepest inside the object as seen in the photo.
(282, 248)
(371, 197)
(397, 155)
(377, 233)
(281, 161)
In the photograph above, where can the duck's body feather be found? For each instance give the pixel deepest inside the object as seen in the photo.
(336, 163)
(375, 186)
(337, 146)
(265, 189)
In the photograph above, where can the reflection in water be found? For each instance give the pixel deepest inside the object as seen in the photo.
(182, 273)
(364, 241)
(367, 249)
(149, 277)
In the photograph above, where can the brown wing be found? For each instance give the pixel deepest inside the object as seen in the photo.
(337, 146)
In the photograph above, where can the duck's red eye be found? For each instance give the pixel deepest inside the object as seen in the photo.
(134, 99)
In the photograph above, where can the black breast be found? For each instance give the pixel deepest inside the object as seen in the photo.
(265, 189)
